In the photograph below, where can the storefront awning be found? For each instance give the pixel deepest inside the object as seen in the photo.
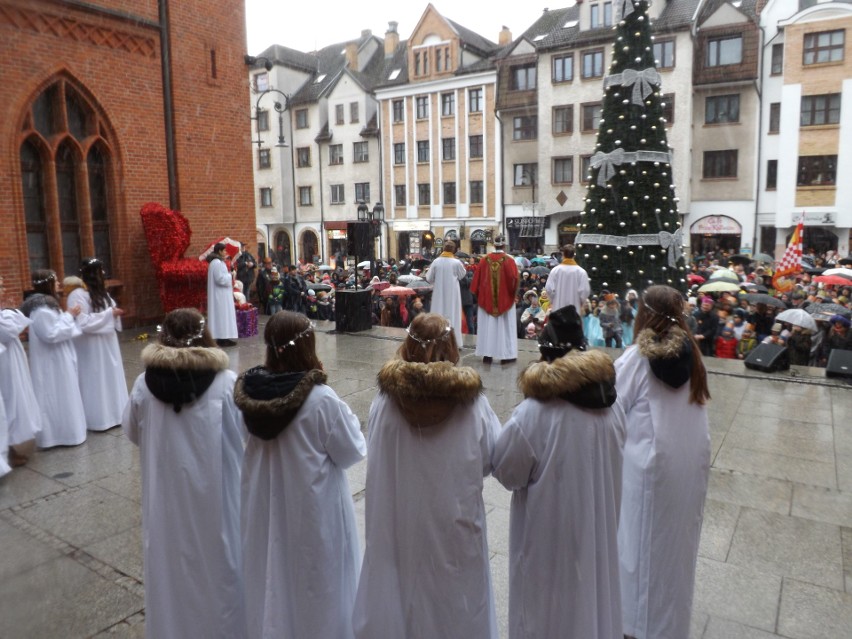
(716, 225)
(335, 226)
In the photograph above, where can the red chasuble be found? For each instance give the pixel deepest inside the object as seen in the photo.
(495, 283)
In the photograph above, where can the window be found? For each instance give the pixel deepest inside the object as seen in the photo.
(475, 146)
(526, 174)
(664, 54)
(525, 127)
(522, 78)
(601, 15)
(771, 175)
(817, 170)
(585, 168)
(449, 192)
(563, 170)
(720, 164)
(423, 194)
(264, 159)
(337, 194)
(361, 152)
(448, 103)
(399, 153)
(593, 62)
(261, 82)
(591, 116)
(263, 120)
(724, 51)
(301, 118)
(721, 109)
(475, 98)
(399, 195)
(775, 117)
(338, 114)
(820, 109)
(398, 110)
(422, 107)
(353, 112)
(417, 64)
(448, 148)
(303, 156)
(563, 119)
(266, 196)
(563, 68)
(826, 46)
(668, 107)
(777, 67)
(335, 154)
(423, 151)
(305, 196)
(362, 192)
(476, 192)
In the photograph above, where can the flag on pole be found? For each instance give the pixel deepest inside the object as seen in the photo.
(791, 262)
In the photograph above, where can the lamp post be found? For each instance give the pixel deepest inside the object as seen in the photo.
(375, 219)
(279, 107)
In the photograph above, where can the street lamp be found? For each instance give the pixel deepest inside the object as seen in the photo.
(375, 219)
(279, 107)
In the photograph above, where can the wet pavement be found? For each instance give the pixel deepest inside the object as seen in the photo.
(776, 549)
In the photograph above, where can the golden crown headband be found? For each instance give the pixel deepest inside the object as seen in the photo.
(311, 326)
(189, 340)
(425, 342)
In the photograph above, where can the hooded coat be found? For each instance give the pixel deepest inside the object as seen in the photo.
(560, 454)
(301, 554)
(182, 416)
(426, 572)
(664, 483)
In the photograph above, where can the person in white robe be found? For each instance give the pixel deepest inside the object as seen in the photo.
(53, 365)
(101, 370)
(662, 388)
(221, 312)
(568, 283)
(560, 454)
(431, 434)
(190, 434)
(301, 554)
(445, 274)
(5, 468)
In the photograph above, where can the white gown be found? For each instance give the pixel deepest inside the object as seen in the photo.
(102, 383)
(497, 337)
(221, 313)
(53, 367)
(567, 284)
(444, 274)
(16, 385)
(666, 466)
(4, 432)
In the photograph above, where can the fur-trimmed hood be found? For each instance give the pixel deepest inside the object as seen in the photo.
(584, 378)
(269, 401)
(427, 393)
(180, 376)
(669, 354)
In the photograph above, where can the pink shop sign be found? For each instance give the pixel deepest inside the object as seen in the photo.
(716, 225)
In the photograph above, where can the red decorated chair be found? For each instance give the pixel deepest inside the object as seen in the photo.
(182, 281)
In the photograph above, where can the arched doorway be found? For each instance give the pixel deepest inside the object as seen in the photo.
(479, 242)
(281, 251)
(309, 246)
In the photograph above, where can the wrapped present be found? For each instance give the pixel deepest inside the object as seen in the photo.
(246, 321)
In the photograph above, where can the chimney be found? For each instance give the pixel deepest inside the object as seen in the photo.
(351, 53)
(391, 39)
(505, 36)
(366, 33)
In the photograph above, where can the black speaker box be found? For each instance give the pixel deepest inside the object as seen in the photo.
(768, 358)
(839, 364)
(359, 239)
(352, 311)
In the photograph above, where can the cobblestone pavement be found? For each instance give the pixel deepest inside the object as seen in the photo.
(776, 549)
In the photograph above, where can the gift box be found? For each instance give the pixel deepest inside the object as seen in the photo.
(247, 321)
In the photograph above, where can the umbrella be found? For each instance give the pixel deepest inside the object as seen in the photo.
(797, 317)
(325, 267)
(751, 287)
(694, 278)
(418, 284)
(833, 280)
(538, 261)
(380, 286)
(408, 278)
(540, 270)
(812, 270)
(364, 264)
(714, 286)
(828, 309)
(232, 248)
(398, 291)
(762, 257)
(724, 274)
(317, 287)
(420, 263)
(741, 259)
(841, 272)
(846, 261)
(462, 255)
(763, 298)
(522, 262)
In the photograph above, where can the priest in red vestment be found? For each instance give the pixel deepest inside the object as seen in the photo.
(495, 284)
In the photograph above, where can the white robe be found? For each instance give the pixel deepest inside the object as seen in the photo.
(301, 554)
(4, 432)
(190, 468)
(426, 573)
(102, 383)
(497, 337)
(567, 284)
(16, 385)
(444, 274)
(53, 368)
(564, 465)
(221, 313)
(666, 466)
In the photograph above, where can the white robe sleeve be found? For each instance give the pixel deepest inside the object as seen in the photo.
(490, 432)
(341, 434)
(221, 275)
(54, 327)
(92, 323)
(130, 419)
(12, 324)
(514, 457)
(626, 379)
(430, 275)
(461, 272)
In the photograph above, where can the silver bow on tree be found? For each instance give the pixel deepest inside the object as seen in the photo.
(641, 82)
(607, 163)
(623, 9)
(673, 243)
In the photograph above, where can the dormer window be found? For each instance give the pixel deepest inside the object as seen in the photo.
(601, 15)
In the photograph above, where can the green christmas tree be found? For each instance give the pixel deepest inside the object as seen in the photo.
(630, 235)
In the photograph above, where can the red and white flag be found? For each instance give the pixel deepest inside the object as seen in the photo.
(791, 262)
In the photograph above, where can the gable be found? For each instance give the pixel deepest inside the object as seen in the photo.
(523, 47)
(725, 15)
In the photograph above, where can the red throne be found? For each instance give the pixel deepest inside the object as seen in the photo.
(182, 281)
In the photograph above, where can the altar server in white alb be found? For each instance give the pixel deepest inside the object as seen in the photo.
(190, 435)
(568, 282)
(16, 386)
(301, 554)
(560, 453)
(662, 388)
(221, 312)
(101, 370)
(431, 434)
(53, 365)
(445, 275)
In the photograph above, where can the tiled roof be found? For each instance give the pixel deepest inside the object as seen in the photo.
(676, 15)
(473, 40)
(278, 54)
(398, 61)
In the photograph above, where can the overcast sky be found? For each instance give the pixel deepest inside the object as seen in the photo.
(319, 23)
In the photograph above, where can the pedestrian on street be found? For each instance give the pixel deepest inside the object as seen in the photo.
(495, 285)
(263, 284)
(445, 274)
(221, 312)
(568, 282)
(246, 269)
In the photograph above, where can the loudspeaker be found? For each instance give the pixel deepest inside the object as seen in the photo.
(352, 311)
(359, 239)
(839, 364)
(768, 358)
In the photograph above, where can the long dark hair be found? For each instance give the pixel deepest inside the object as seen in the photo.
(92, 274)
(44, 282)
(290, 343)
(183, 328)
(430, 339)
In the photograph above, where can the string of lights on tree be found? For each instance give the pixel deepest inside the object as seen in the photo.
(630, 234)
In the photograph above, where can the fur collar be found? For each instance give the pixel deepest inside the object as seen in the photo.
(190, 358)
(427, 393)
(585, 378)
(666, 346)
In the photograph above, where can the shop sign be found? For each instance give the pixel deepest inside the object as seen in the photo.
(813, 218)
(439, 242)
(716, 225)
(411, 225)
(336, 235)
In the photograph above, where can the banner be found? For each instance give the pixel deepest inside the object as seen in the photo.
(791, 262)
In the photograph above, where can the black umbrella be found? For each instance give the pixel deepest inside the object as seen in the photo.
(462, 254)
(754, 288)
(540, 270)
(846, 261)
(762, 257)
(740, 259)
(763, 298)
(420, 263)
(828, 309)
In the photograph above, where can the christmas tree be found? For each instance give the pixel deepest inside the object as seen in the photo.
(630, 235)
